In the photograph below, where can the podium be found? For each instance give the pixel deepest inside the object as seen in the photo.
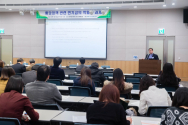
(149, 66)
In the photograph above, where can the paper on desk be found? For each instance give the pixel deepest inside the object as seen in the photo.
(65, 97)
(79, 119)
(150, 122)
(135, 103)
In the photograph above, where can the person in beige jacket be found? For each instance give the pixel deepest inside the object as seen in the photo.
(32, 63)
(150, 95)
(118, 81)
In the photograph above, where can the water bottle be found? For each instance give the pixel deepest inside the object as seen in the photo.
(10, 63)
(43, 63)
(77, 64)
(24, 63)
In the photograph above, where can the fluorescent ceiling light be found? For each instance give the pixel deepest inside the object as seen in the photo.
(56, 8)
(173, 3)
(135, 6)
(107, 7)
(164, 5)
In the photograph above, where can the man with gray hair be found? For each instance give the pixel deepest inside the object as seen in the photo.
(32, 63)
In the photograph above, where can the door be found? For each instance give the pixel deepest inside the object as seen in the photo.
(163, 46)
(6, 49)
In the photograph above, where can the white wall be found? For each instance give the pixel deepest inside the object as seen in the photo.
(127, 31)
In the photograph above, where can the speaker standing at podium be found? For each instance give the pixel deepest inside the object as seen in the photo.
(151, 55)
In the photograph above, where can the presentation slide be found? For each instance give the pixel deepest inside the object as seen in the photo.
(76, 38)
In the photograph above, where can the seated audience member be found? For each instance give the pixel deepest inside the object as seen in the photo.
(150, 95)
(177, 115)
(41, 92)
(1, 66)
(85, 80)
(107, 110)
(118, 81)
(56, 72)
(79, 68)
(168, 76)
(19, 67)
(32, 63)
(13, 103)
(29, 76)
(96, 74)
(6, 73)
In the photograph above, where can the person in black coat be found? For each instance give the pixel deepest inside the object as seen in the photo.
(19, 67)
(108, 110)
(56, 72)
(96, 74)
(151, 55)
(1, 66)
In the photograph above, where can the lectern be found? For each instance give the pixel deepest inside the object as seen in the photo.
(149, 66)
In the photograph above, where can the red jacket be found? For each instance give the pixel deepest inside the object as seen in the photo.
(12, 105)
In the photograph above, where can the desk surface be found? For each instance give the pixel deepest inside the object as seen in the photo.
(67, 116)
(47, 115)
(72, 98)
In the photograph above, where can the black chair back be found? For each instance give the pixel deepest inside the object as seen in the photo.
(72, 77)
(133, 79)
(109, 74)
(79, 91)
(58, 82)
(156, 111)
(19, 74)
(46, 106)
(9, 121)
(168, 88)
(139, 75)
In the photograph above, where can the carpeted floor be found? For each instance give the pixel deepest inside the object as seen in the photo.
(185, 84)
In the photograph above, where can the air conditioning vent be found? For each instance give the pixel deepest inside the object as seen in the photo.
(87, 3)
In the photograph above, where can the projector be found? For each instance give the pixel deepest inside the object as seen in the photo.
(91, 12)
(103, 12)
(21, 12)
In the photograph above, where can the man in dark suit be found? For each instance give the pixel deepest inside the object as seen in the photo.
(56, 72)
(19, 67)
(151, 55)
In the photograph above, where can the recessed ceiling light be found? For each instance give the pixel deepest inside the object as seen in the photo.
(10, 9)
(56, 8)
(107, 7)
(164, 5)
(82, 8)
(173, 3)
(135, 6)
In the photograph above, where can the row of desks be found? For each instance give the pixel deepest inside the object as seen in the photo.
(72, 117)
(89, 100)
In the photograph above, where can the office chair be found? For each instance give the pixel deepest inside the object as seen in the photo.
(156, 111)
(79, 91)
(9, 121)
(58, 82)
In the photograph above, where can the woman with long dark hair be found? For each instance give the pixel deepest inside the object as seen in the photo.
(13, 103)
(150, 95)
(1, 66)
(85, 80)
(108, 110)
(118, 81)
(177, 114)
(6, 73)
(168, 76)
